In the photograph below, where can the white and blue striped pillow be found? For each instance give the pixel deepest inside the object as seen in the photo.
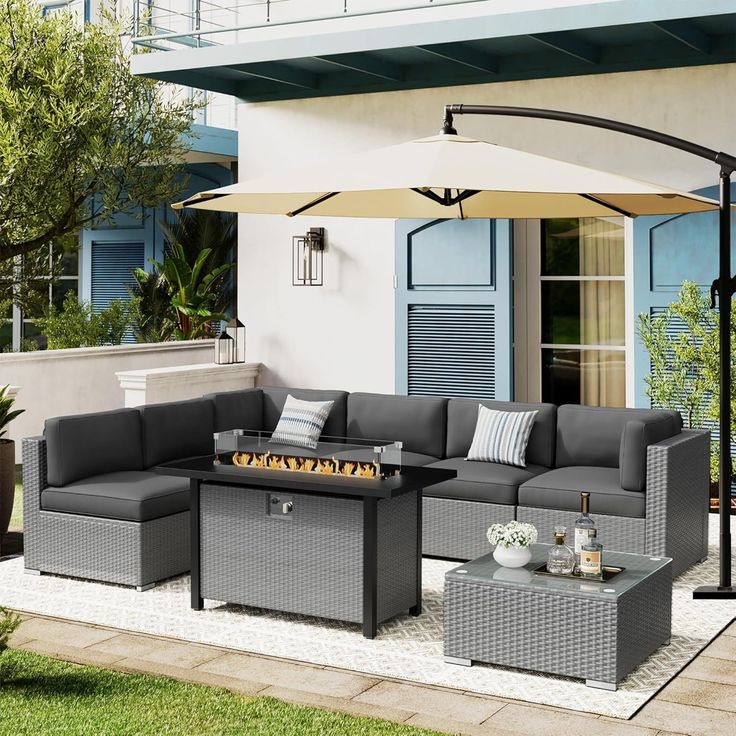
(301, 422)
(501, 436)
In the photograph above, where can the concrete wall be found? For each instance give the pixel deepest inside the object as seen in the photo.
(57, 382)
(342, 334)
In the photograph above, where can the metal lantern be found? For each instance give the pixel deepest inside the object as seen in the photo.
(236, 329)
(224, 349)
(306, 257)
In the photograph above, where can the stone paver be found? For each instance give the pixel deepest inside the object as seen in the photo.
(442, 703)
(72, 635)
(293, 676)
(724, 647)
(675, 716)
(352, 706)
(181, 654)
(531, 721)
(712, 669)
(448, 725)
(697, 692)
(78, 655)
(127, 645)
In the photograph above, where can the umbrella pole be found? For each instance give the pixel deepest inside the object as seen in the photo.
(726, 287)
(725, 291)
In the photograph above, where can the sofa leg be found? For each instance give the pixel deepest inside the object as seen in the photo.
(30, 571)
(144, 588)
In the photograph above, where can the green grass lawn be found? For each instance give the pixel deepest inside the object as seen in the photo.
(16, 520)
(39, 695)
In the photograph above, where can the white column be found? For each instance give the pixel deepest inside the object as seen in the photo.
(156, 385)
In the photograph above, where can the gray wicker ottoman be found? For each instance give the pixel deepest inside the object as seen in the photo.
(596, 631)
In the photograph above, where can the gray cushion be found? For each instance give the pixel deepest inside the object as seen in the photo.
(130, 495)
(561, 488)
(176, 430)
(462, 416)
(88, 444)
(417, 421)
(591, 435)
(238, 409)
(275, 397)
(636, 437)
(476, 481)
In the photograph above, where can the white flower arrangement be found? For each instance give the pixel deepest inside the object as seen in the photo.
(513, 534)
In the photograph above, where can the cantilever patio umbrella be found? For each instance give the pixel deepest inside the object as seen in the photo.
(449, 176)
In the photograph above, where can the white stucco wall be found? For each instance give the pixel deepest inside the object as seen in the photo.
(342, 334)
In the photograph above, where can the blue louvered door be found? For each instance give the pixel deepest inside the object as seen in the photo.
(453, 308)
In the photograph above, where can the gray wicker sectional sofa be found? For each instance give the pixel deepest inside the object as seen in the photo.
(94, 508)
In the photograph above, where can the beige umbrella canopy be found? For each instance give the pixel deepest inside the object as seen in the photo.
(448, 176)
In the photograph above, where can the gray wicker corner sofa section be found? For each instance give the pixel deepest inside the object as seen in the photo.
(94, 508)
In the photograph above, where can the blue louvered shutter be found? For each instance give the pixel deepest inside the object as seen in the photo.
(112, 266)
(451, 350)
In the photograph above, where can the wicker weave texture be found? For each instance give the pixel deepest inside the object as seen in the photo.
(678, 477)
(456, 529)
(397, 555)
(619, 533)
(309, 561)
(124, 552)
(557, 633)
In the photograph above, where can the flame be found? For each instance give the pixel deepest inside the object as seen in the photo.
(306, 464)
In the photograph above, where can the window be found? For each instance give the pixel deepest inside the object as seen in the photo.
(583, 311)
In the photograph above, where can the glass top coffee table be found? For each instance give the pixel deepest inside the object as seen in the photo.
(598, 631)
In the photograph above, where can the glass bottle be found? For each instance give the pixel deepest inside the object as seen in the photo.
(560, 559)
(584, 527)
(591, 558)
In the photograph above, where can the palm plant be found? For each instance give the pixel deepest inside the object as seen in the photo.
(7, 413)
(154, 316)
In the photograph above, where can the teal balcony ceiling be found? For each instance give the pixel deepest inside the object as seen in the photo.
(433, 45)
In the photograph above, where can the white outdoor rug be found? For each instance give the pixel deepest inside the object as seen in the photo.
(407, 648)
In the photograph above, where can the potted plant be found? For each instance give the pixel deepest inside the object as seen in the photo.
(512, 542)
(7, 459)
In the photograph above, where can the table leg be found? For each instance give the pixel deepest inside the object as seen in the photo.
(370, 566)
(194, 518)
(416, 609)
(601, 685)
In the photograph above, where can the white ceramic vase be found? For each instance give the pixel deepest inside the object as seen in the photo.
(512, 556)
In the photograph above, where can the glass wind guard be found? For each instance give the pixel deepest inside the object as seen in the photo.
(341, 456)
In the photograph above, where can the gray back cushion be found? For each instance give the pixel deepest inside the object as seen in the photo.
(275, 397)
(591, 435)
(90, 444)
(177, 429)
(238, 409)
(417, 421)
(638, 434)
(462, 416)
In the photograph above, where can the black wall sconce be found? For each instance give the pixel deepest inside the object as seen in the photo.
(307, 252)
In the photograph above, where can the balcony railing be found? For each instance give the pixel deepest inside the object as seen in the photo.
(162, 25)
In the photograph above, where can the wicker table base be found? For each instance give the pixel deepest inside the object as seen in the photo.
(596, 631)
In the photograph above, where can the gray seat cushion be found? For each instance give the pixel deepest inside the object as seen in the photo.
(462, 416)
(591, 435)
(89, 444)
(238, 409)
(177, 429)
(561, 488)
(274, 399)
(488, 482)
(417, 421)
(134, 495)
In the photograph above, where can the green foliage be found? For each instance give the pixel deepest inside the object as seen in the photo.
(7, 414)
(77, 326)
(81, 138)
(9, 622)
(154, 317)
(685, 370)
(47, 696)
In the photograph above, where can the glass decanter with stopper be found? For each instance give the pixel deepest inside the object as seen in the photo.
(560, 559)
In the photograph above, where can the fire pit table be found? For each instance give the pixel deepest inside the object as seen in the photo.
(334, 532)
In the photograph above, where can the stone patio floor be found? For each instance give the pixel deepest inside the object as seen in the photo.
(700, 701)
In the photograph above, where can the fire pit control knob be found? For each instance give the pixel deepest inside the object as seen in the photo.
(287, 507)
(275, 500)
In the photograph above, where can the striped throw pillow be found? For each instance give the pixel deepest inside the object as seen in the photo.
(301, 422)
(501, 436)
